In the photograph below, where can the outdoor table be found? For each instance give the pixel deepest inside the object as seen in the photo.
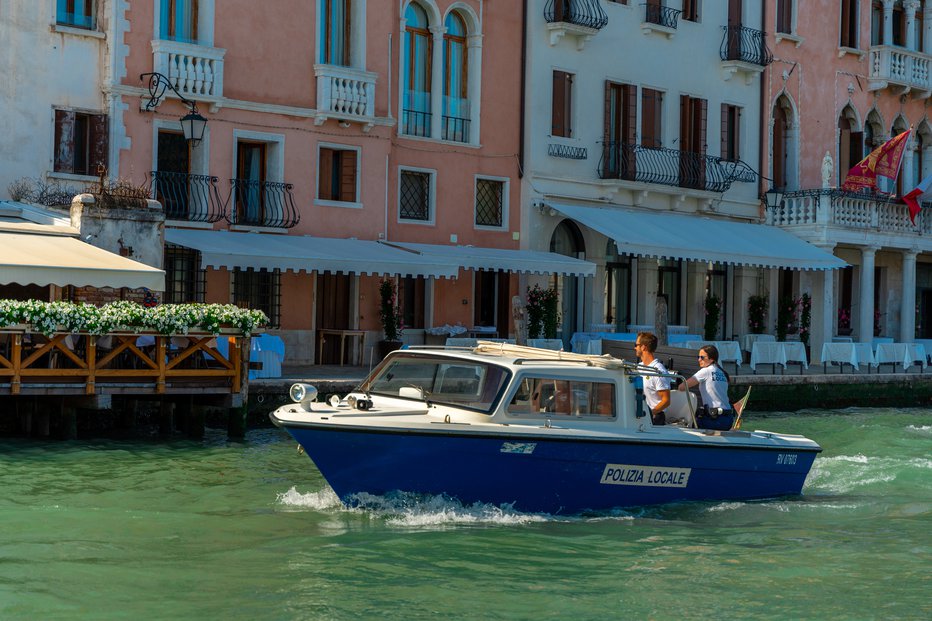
(359, 335)
(905, 354)
(747, 340)
(774, 353)
(840, 354)
(728, 351)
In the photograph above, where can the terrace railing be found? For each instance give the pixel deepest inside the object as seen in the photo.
(262, 203)
(745, 45)
(191, 198)
(664, 166)
(586, 13)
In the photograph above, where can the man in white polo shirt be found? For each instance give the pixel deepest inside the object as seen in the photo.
(656, 389)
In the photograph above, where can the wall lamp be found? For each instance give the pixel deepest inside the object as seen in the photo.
(192, 124)
(773, 198)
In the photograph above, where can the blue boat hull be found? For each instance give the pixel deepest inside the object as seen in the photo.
(545, 474)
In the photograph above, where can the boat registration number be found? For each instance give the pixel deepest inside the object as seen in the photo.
(648, 476)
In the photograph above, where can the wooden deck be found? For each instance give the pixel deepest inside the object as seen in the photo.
(140, 364)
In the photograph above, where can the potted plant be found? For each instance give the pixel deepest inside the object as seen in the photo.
(391, 317)
(786, 317)
(844, 322)
(757, 313)
(543, 315)
(713, 311)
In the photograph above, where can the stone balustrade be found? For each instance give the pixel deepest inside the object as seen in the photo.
(345, 93)
(196, 71)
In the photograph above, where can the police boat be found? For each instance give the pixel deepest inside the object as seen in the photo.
(536, 430)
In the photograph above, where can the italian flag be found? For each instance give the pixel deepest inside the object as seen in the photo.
(915, 198)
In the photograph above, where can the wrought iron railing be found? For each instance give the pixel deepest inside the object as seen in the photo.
(745, 45)
(668, 167)
(661, 15)
(262, 203)
(192, 198)
(586, 13)
(415, 123)
(455, 128)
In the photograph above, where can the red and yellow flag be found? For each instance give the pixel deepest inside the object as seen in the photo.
(884, 161)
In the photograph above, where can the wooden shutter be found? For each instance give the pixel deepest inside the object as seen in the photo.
(725, 147)
(650, 118)
(846, 19)
(325, 175)
(684, 122)
(562, 91)
(609, 120)
(630, 114)
(98, 143)
(64, 141)
(348, 176)
(702, 110)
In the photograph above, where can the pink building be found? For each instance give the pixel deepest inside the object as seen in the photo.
(845, 78)
(337, 132)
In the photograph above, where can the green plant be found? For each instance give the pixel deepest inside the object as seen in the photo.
(787, 310)
(713, 311)
(389, 311)
(805, 318)
(757, 313)
(543, 315)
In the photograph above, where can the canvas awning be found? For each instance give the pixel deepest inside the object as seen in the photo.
(27, 258)
(223, 249)
(520, 261)
(700, 238)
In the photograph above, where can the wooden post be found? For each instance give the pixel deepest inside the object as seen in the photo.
(16, 358)
(236, 422)
(166, 417)
(69, 421)
(160, 360)
(91, 387)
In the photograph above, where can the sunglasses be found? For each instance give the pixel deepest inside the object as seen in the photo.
(703, 357)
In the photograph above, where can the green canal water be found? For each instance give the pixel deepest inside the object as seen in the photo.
(218, 530)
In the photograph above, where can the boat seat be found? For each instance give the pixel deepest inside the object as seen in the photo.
(681, 410)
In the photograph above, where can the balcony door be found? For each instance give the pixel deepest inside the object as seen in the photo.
(179, 20)
(492, 301)
(334, 308)
(733, 49)
(173, 164)
(693, 114)
(620, 132)
(250, 180)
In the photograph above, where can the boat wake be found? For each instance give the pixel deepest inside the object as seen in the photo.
(412, 510)
(846, 473)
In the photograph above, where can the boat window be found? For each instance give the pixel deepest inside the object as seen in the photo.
(549, 396)
(464, 383)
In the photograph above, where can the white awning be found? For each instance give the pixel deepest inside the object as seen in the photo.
(27, 258)
(521, 261)
(700, 238)
(303, 253)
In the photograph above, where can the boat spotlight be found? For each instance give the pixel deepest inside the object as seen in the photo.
(303, 394)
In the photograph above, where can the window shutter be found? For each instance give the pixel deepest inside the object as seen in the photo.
(99, 143)
(631, 114)
(684, 122)
(558, 113)
(325, 174)
(703, 113)
(725, 150)
(607, 123)
(348, 176)
(64, 141)
(845, 22)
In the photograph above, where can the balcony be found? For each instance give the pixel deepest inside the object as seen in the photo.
(899, 69)
(632, 162)
(744, 50)
(660, 19)
(185, 197)
(196, 71)
(345, 94)
(581, 19)
(854, 212)
(262, 203)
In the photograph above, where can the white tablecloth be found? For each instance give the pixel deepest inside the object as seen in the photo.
(905, 354)
(555, 344)
(747, 340)
(847, 353)
(765, 352)
(680, 340)
(728, 351)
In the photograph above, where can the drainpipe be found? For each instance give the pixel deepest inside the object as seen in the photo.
(763, 106)
(522, 95)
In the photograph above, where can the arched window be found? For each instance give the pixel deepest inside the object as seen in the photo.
(850, 143)
(568, 241)
(780, 146)
(455, 74)
(417, 54)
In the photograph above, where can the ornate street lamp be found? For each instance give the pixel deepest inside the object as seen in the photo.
(192, 124)
(773, 198)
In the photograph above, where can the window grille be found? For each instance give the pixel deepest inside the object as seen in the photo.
(184, 278)
(415, 195)
(259, 290)
(489, 202)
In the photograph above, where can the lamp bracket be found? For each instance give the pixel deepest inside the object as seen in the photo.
(158, 84)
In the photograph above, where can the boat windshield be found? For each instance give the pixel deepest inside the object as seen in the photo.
(463, 383)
